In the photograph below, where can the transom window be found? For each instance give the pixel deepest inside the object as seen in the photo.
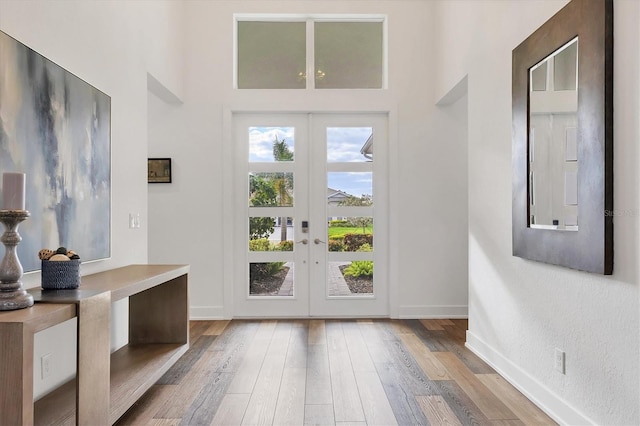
(310, 53)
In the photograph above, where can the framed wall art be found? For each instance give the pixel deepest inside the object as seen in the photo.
(56, 128)
(159, 170)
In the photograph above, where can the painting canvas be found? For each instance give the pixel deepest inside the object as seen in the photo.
(56, 128)
(159, 170)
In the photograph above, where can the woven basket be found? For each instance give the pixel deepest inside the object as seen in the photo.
(60, 275)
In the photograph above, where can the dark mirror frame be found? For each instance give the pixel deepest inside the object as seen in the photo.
(591, 247)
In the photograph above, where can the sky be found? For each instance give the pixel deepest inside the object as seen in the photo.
(343, 145)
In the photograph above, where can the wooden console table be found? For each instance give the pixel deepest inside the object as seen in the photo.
(106, 385)
(17, 329)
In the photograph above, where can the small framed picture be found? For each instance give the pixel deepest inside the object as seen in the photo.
(159, 170)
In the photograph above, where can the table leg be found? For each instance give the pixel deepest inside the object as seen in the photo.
(94, 360)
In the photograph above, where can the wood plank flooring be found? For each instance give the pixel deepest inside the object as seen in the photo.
(331, 372)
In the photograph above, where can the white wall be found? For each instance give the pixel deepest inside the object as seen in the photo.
(521, 310)
(106, 44)
(428, 163)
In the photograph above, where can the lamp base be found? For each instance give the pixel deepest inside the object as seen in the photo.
(12, 295)
(15, 297)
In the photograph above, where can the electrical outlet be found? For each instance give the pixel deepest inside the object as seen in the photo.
(559, 361)
(45, 366)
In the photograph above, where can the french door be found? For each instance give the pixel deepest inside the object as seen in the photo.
(308, 196)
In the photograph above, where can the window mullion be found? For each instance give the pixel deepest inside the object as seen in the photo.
(311, 81)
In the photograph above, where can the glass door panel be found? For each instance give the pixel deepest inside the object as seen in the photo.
(350, 278)
(350, 189)
(347, 235)
(349, 144)
(266, 235)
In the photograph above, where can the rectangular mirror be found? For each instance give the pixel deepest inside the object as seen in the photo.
(553, 116)
(562, 89)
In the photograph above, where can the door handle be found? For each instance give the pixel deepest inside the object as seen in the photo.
(305, 241)
(318, 241)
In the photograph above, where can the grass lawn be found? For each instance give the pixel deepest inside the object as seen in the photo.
(340, 232)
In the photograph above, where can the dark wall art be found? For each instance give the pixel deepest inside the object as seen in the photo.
(56, 128)
(159, 170)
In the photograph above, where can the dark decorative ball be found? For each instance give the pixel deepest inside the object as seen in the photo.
(61, 250)
(74, 257)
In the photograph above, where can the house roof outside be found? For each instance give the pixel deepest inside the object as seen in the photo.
(367, 148)
(336, 194)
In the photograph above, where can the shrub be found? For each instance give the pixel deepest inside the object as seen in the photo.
(365, 247)
(359, 268)
(284, 246)
(336, 245)
(353, 242)
(259, 271)
(338, 224)
(261, 244)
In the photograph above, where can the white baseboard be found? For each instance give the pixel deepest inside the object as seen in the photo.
(206, 313)
(558, 409)
(405, 312)
(433, 311)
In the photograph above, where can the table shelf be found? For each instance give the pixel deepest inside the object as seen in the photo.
(106, 385)
(134, 369)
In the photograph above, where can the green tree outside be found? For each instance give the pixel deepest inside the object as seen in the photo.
(283, 182)
(364, 201)
(261, 194)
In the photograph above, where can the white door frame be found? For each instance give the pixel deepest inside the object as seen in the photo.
(228, 176)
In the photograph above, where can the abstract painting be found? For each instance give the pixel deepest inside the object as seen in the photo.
(56, 128)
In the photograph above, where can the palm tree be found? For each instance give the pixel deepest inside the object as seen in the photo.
(281, 151)
(283, 182)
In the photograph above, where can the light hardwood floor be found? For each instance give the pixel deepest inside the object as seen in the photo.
(332, 372)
